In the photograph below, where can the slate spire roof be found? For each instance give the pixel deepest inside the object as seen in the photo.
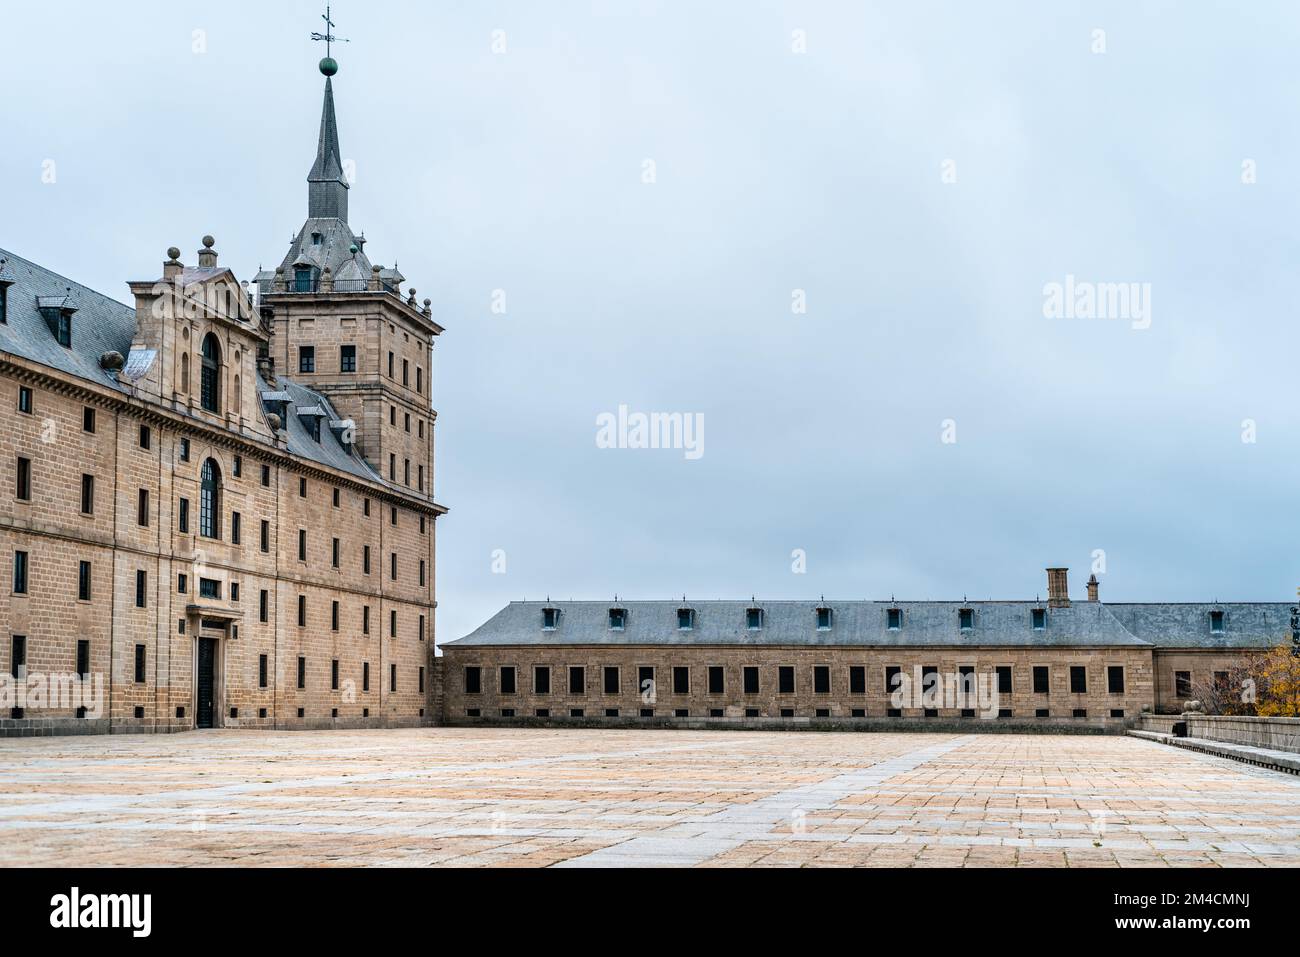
(327, 187)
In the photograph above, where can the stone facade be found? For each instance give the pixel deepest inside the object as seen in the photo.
(173, 488)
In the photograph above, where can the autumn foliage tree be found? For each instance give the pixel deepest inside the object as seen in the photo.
(1267, 684)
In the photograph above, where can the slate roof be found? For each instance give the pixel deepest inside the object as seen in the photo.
(1170, 625)
(104, 325)
(854, 623)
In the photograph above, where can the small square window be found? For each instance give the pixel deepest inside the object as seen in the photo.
(306, 358)
(617, 619)
(348, 359)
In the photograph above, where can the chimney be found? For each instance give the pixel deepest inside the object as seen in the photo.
(1058, 588)
(173, 266)
(1092, 590)
(208, 255)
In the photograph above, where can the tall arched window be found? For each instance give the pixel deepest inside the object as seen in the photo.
(210, 501)
(185, 372)
(210, 387)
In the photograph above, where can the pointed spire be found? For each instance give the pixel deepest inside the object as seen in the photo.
(327, 188)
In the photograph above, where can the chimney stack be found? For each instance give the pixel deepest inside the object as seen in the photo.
(1058, 588)
(208, 255)
(1092, 590)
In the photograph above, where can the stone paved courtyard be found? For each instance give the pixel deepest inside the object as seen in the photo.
(493, 797)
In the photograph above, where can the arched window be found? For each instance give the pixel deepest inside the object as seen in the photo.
(210, 391)
(185, 372)
(210, 500)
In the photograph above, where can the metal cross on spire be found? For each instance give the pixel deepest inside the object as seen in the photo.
(328, 36)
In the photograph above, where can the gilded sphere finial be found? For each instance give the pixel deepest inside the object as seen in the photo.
(329, 66)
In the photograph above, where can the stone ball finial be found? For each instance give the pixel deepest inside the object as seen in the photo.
(428, 303)
(273, 420)
(208, 242)
(173, 253)
(375, 269)
(112, 361)
(329, 66)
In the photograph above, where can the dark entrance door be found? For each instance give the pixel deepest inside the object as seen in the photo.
(206, 682)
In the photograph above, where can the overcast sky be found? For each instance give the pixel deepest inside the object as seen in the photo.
(828, 171)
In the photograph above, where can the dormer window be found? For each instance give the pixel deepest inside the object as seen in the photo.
(966, 619)
(57, 312)
(302, 279)
(824, 618)
(1039, 618)
(1216, 622)
(685, 619)
(754, 619)
(894, 619)
(316, 239)
(550, 617)
(617, 619)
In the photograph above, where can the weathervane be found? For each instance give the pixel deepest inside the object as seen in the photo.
(329, 66)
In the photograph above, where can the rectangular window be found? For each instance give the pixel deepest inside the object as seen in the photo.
(209, 588)
(857, 680)
(894, 619)
(302, 611)
(612, 681)
(306, 358)
(507, 680)
(422, 628)
(265, 536)
(617, 619)
(263, 606)
(140, 655)
(237, 466)
(266, 476)
(18, 656)
(966, 683)
(717, 680)
(390, 365)
(182, 584)
(1183, 684)
(83, 582)
(302, 672)
(392, 566)
(1004, 679)
(392, 677)
(1039, 616)
(185, 450)
(348, 359)
(365, 619)
(549, 618)
(20, 573)
(406, 372)
(419, 380)
(681, 680)
(142, 508)
(1216, 622)
(146, 437)
(83, 658)
(421, 685)
(334, 553)
(892, 674)
(821, 679)
(88, 495)
(365, 676)
(1041, 683)
(823, 619)
(754, 619)
(234, 596)
(141, 588)
(541, 680)
(261, 671)
(88, 420)
(302, 544)
(24, 400)
(422, 573)
(183, 516)
(336, 498)
(392, 624)
(365, 559)
(751, 679)
(334, 616)
(302, 488)
(966, 619)
(23, 480)
(334, 675)
(236, 528)
(785, 679)
(1115, 679)
(1078, 679)
(392, 516)
(577, 680)
(645, 681)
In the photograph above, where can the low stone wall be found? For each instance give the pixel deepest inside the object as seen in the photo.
(1159, 723)
(1275, 734)
(917, 725)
